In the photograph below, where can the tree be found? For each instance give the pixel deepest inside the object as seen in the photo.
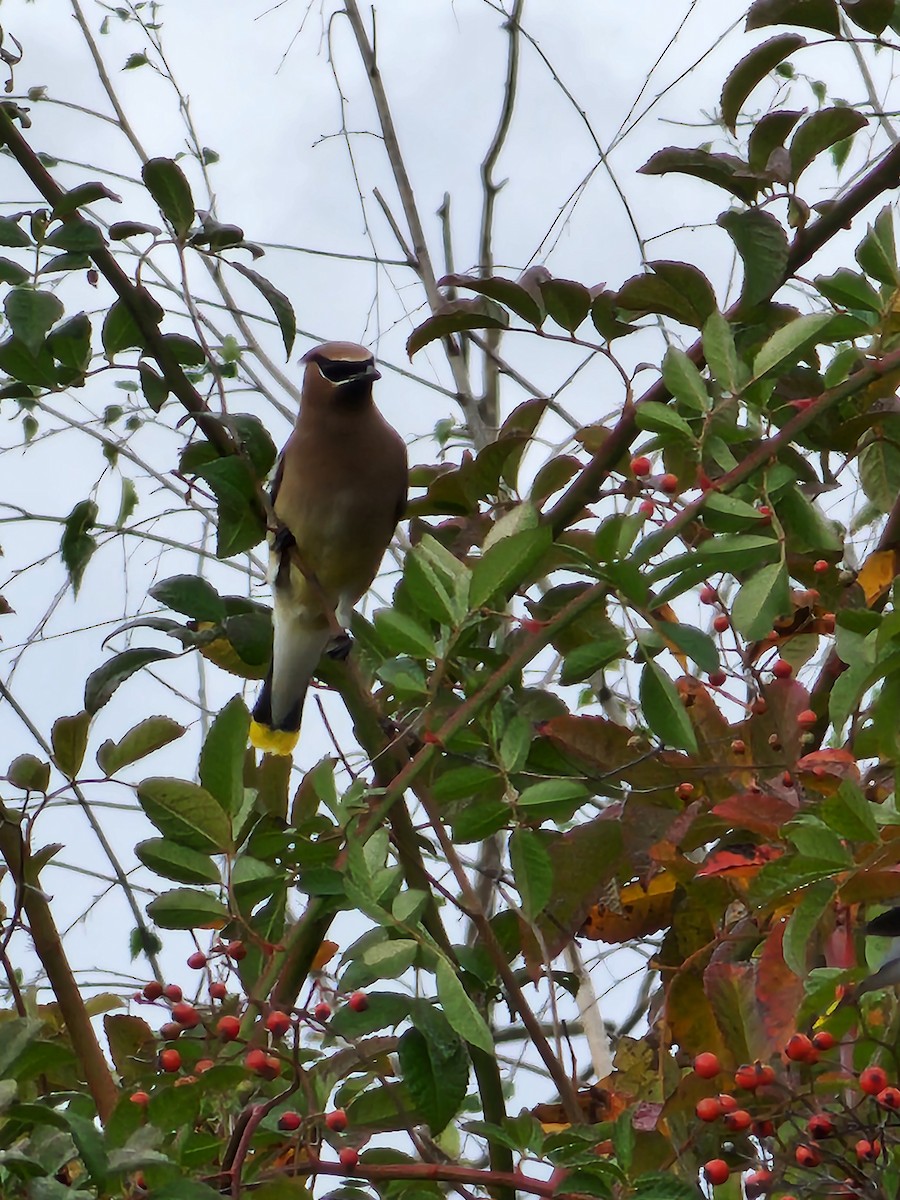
(641, 692)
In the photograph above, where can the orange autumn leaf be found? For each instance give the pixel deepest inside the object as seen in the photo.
(595, 1102)
(877, 574)
(739, 864)
(323, 955)
(823, 771)
(641, 911)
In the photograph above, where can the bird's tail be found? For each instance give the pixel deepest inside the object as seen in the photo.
(296, 650)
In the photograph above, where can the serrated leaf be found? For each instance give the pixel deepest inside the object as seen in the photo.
(456, 316)
(876, 253)
(186, 814)
(11, 234)
(567, 302)
(664, 420)
(585, 660)
(819, 131)
(188, 908)
(761, 599)
(675, 289)
(191, 595)
(751, 70)
(437, 1081)
(222, 756)
(811, 14)
(879, 473)
(11, 272)
(789, 343)
(551, 792)
(532, 871)
(684, 381)
(802, 924)
(763, 246)
(508, 562)
(724, 170)
(70, 342)
(84, 193)
(240, 527)
(120, 331)
(77, 544)
(872, 15)
(849, 290)
(31, 314)
(179, 863)
(693, 642)
(69, 740)
(23, 365)
(128, 502)
(511, 295)
(166, 183)
(142, 739)
(769, 134)
(277, 301)
(29, 773)
(459, 1010)
(403, 635)
(662, 709)
(77, 236)
(101, 683)
(153, 386)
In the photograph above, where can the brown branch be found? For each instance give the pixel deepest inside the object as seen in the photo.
(439, 1173)
(583, 489)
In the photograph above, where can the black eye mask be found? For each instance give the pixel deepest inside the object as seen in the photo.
(342, 372)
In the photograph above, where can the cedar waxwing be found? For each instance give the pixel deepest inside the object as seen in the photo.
(339, 491)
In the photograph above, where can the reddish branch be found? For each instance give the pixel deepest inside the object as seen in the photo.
(439, 1173)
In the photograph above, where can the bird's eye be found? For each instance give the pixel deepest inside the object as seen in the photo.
(341, 372)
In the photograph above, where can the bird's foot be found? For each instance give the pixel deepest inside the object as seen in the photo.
(339, 647)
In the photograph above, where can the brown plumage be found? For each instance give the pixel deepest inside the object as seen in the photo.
(338, 493)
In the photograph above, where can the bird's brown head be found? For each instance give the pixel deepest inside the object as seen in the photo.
(341, 371)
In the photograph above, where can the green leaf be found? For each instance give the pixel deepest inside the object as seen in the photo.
(662, 709)
(77, 544)
(457, 316)
(12, 235)
(78, 236)
(567, 302)
(391, 959)
(585, 660)
(187, 908)
(762, 243)
(142, 739)
(222, 756)
(849, 290)
(31, 314)
(532, 871)
(675, 289)
(761, 599)
(69, 740)
(684, 381)
(277, 301)
(186, 814)
(119, 230)
(788, 344)
(11, 272)
(662, 419)
(751, 70)
(879, 473)
(191, 595)
(240, 528)
(255, 441)
(128, 502)
(84, 193)
(170, 189)
(437, 1081)
(101, 683)
(811, 14)
(876, 253)
(185, 350)
(803, 922)
(29, 774)
(720, 353)
(769, 134)
(511, 295)
(120, 331)
(872, 15)
(21, 364)
(70, 342)
(724, 170)
(552, 791)
(403, 635)
(850, 814)
(693, 642)
(508, 564)
(820, 131)
(459, 1009)
(153, 386)
(173, 861)
(459, 783)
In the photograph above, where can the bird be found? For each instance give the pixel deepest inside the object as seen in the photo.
(338, 491)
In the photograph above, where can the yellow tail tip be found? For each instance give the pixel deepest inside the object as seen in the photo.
(273, 741)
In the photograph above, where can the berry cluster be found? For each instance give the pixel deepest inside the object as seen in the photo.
(801, 1124)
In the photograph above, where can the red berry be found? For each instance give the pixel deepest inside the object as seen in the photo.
(278, 1023)
(757, 1183)
(708, 1109)
(153, 990)
(806, 718)
(256, 1060)
(170, 1060)
(336, 1120)
(820, 566)
(716, 1171)
(706, 1065)
(218, 991)
(738, 746)
(820, 1126)
(823, 1040)
(807, 1156)
(717, 678)
(708, 595)
(359, 1002)
(753, 1075)
(322, 1011)
(873, 1080)
(197, 961)
(764, 1128)
(782, 669)
(684, 791)
(646, 508)
(139, 1098)
(186, 1015)
(641, 465)
(348, 1157)
(759, 706)
(727, 1102)
(290, 1121)
(721, 623)
(236, 951)
(738, 1120)
(228, 1028)
(204, 1065)
(889, 1098)
(173, 992)
(799, 1048)
(170, 1031)
(272, 1069)
(867, 1150)
(668, 483)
